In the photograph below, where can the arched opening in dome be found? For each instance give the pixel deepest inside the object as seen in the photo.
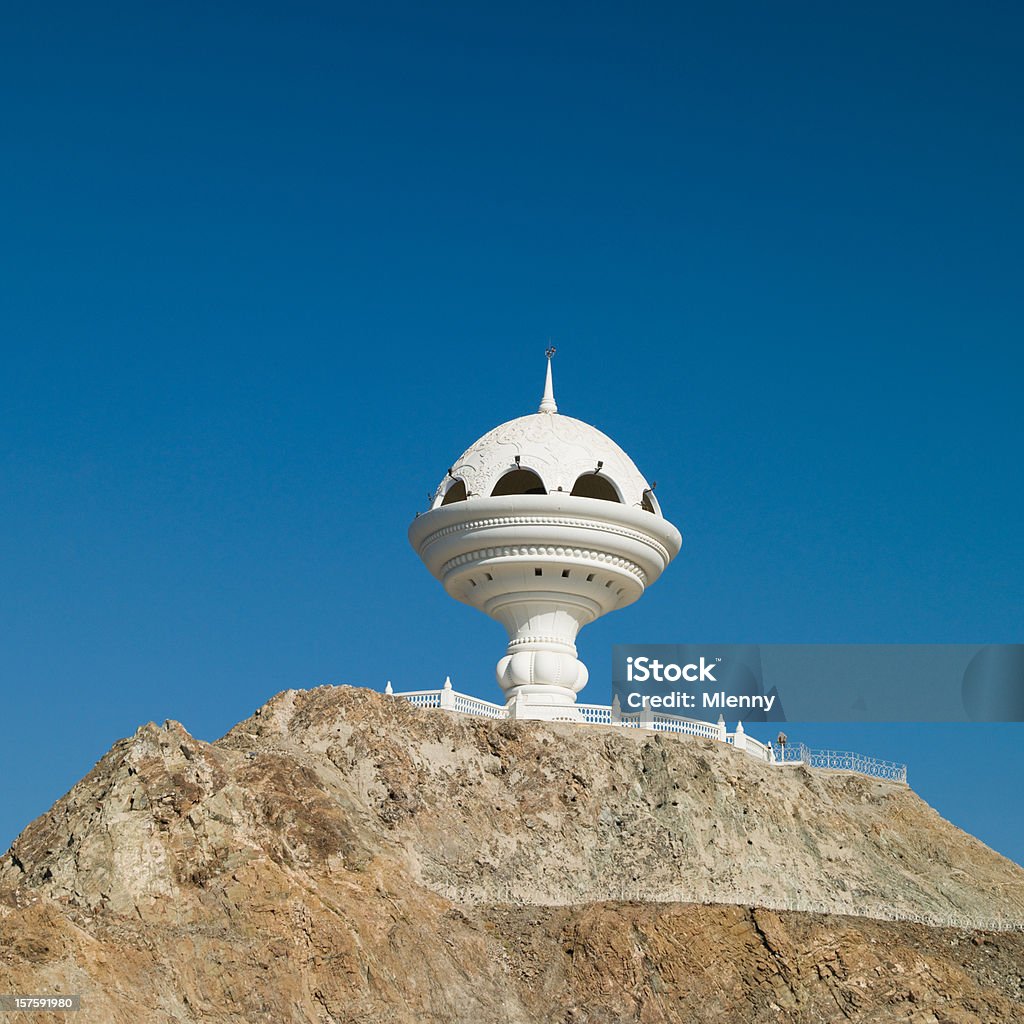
(593, 485)
(647, 504)
(519, 481)
(457, 492)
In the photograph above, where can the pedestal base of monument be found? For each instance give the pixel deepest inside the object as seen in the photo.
(541, 707)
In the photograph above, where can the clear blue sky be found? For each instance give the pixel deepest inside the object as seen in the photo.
(265, 271)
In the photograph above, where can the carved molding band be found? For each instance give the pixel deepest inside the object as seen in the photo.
(560, 521)
(537, 638)
(541, 551)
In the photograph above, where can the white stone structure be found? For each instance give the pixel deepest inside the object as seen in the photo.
(544, 524)
(793, 755)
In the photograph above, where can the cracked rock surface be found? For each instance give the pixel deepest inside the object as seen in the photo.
(344, 857)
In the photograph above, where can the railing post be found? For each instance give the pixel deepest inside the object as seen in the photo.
(514, 706)
(721, 729)
(389, 688)
(646, 717)
(740, 738)
(447, 694)
(616, 711)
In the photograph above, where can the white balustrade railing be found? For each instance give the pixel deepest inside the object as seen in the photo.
(475, 706)
(846, 760)
(423, 698)
(687, 726)
(632, 720)
(789, 754)
(595, 714)
(841, 760)
(762, 751)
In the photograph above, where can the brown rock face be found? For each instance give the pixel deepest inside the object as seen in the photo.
(344, 857)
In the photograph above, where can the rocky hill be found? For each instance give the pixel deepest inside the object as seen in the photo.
(344, 857)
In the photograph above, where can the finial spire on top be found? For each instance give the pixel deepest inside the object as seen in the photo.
(547, 403)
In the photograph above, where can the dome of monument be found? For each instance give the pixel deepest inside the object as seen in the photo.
(546, 453)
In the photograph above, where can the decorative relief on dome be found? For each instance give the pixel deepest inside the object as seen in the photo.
(558, 448)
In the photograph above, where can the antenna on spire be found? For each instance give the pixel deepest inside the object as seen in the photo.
(547, 403)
